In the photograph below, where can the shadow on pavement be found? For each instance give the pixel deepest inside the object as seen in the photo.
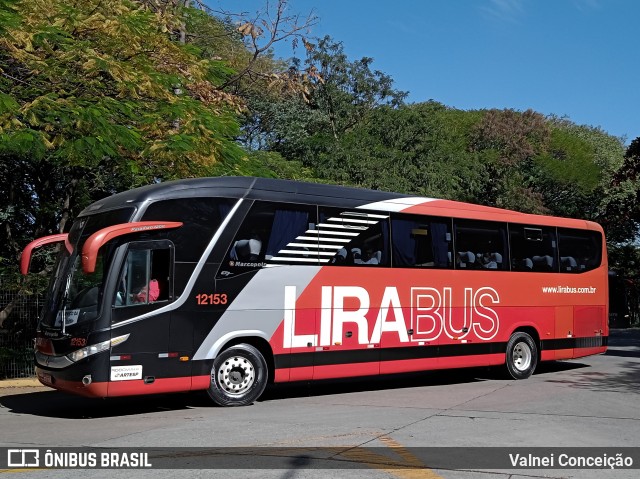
(377, 383)
(399, 381)
(58, 404)
(61, 405)
(623, 343)
(626, 380)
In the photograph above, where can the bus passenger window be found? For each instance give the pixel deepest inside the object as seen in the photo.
(352, 238)
(145, 277)
(533, 248)
(481, 245)
(272, 233)
(580, 250)
(421, 241)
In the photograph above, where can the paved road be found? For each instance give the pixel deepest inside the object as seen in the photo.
(591, 402)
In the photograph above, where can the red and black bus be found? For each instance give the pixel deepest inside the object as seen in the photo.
(226, 284)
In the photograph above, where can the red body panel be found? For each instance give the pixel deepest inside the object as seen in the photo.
(378, 310)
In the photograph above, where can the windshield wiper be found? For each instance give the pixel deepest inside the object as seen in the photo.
(65, 301)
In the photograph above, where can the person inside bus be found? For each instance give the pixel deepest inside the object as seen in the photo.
(340, 257)
(490, 260)
(149, 293)
(370, 256)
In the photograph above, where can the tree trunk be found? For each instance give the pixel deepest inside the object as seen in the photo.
(4, 314)
(66, 206)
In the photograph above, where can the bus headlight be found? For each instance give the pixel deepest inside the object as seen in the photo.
(96, 348)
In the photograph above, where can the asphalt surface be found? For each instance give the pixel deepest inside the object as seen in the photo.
(589, 402)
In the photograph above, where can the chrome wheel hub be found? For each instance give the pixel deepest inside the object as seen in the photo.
(236, 375)
(522, 356)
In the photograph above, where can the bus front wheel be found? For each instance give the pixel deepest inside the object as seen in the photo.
(522, 355)
(238, 377)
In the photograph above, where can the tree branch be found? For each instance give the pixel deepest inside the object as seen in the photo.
(279, 28)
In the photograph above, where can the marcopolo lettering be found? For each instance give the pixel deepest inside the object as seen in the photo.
(431, 315)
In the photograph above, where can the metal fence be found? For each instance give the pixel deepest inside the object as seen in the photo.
(17, 330)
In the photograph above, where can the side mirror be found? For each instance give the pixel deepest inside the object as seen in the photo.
(99, 238)
(25, 259)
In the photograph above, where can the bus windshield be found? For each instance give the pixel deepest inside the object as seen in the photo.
(73, 294)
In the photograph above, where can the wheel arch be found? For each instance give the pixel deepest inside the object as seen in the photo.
(254, 337)
(261, 345)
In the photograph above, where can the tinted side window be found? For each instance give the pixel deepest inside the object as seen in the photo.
(146, 276)
(421, 241)
(580, 250)
(354, 238)
(200, 217)
(481, 245)
(273, 233)
(533, 248)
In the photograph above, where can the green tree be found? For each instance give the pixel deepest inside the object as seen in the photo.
(89, 106)
(346, 91)
(335, 95)
(507, 141)
(420, 149)
(623, 197)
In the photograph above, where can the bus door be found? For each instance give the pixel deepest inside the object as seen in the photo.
(143, 289)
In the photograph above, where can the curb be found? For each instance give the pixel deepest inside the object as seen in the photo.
(20, 383)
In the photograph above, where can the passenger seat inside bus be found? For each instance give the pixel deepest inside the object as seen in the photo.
(246, 250)
(375, 257)
(466, 259)
(527, 265)
(569, 264)
(542, 263)
(340, 257)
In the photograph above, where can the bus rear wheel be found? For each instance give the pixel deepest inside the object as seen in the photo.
(238, 377)
(522, 356)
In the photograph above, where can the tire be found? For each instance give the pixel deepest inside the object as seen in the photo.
(522, 356)
(238, 377)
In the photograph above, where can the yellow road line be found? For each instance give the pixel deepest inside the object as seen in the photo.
(411, 467)
(26, 469)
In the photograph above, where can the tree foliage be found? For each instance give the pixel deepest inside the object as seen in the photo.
(103, 95)
(622, 212)
(337, 95)
(96, 97)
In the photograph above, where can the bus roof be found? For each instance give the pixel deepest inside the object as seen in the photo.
(268, 189)
(244, 187)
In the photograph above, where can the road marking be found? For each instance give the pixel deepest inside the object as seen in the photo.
(410, 467)
(26, 469)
